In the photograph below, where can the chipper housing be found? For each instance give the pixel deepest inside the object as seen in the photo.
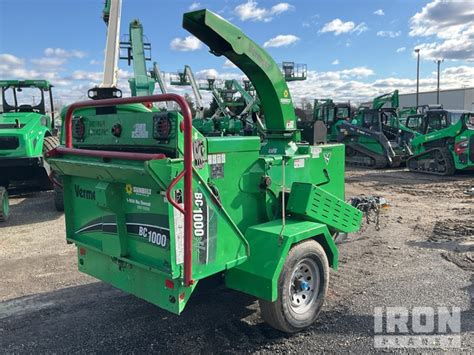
(154, 206)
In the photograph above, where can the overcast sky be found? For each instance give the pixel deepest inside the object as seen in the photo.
(354, 50)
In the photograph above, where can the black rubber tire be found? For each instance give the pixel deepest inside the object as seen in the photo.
(49, 143)
(59, 198)
(279, 314)
(4, 207)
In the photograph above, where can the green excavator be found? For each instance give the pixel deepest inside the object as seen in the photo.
(445, 142)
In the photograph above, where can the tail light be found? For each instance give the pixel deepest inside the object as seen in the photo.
(78, 128)
(169, 284)
(161, 127)
(460, 147)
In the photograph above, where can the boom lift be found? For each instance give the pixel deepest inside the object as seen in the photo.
(138, 51)
(293, 71)
(229, 118)
(446, 143)
(108, 87)
(186, 78)
(223, 121)
(262, 215)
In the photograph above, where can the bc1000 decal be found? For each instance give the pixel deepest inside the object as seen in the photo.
(153, 235)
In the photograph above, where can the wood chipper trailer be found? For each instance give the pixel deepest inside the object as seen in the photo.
(154, 207)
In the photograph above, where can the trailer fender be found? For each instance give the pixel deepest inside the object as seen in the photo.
(269, 246)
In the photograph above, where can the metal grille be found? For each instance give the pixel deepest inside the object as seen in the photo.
(11, 125)
(9, 143)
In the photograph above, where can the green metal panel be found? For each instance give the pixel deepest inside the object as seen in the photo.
(310, 202)
(33, 128)
(141, 282)
(270, 244)
(226, 145)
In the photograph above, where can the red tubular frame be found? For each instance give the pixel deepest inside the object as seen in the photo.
(188, 160)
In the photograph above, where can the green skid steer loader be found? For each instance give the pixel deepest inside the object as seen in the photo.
(154, 206)
(374, 138)
(445, 143)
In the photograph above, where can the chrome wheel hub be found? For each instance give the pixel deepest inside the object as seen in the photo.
(304, 285)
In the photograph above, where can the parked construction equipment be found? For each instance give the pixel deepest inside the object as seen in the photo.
(26, 134)
(331, 114)
(234, 115)
(293, 71)
(262, 215)
(186, 78)
(374, 137)
(136, 51)
(445, 143)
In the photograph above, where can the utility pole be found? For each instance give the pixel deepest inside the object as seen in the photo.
(438, 62)
(417, 51)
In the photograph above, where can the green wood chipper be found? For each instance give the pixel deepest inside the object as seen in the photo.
(154, 207)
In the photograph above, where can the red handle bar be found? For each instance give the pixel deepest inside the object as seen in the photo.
(188, 159)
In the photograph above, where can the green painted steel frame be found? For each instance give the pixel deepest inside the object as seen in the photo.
(270, 243)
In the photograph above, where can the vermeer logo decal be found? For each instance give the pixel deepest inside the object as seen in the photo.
(83, 193)
(327, 157)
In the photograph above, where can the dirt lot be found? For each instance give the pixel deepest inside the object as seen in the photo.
(422, 256)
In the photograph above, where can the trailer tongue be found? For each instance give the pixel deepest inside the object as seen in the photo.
(153, 206)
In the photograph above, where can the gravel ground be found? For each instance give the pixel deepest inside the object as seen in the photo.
(422, 256)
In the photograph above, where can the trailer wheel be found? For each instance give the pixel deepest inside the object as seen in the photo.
(302, 288)
(4, 204)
